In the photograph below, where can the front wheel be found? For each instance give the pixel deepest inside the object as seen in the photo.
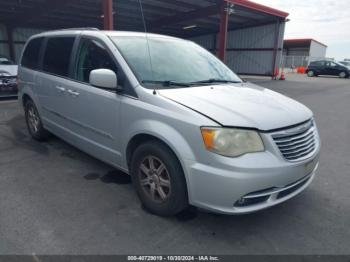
(159, 179)
(342, 74)
(33, 120)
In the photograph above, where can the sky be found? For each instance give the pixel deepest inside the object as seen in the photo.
(327, 21)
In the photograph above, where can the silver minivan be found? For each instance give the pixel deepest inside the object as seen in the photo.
(186, 128)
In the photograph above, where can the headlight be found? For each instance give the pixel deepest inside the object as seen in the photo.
(232, 142)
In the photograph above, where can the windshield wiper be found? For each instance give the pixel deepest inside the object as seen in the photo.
(166, 83)
(214, 80)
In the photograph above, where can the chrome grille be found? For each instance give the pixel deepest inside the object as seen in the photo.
(298, 142)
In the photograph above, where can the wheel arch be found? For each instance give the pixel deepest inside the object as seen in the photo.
(26, 93)
(25, 98)
(173, 140)
(142, 138)
(143, 130)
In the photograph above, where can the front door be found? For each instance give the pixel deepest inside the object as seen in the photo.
(332, 68)
(94, 113)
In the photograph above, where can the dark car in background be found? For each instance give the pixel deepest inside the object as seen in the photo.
(330, 68)
(8, 77)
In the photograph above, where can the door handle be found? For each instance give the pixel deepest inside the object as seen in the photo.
(61, 89)
(73, 93)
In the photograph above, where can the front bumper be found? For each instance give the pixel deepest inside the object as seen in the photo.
(8, 86)
(249, 188)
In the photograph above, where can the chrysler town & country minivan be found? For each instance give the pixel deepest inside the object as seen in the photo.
(186, 128)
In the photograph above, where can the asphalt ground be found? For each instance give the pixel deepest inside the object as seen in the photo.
(55, 199)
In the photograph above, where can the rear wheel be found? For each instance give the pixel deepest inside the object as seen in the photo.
(33, 120)
(310, 73)
(159, 179)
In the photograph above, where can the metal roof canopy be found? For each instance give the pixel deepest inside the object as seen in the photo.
(305, 42)
(181, 18)
(162, 16)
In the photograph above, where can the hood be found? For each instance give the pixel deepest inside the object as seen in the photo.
(241, 105)
(9, 70)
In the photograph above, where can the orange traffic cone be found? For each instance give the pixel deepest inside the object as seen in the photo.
(282, 77)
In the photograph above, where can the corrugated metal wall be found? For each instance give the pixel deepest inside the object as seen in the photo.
(317, 50)
(4, 47)
(206, 41)
(249, 50)
(20, 36)
(298, 51)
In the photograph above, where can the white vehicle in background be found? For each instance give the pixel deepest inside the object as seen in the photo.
(345, 63)
(8, 77)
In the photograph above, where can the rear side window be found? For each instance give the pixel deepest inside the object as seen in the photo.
(318, 63)
(31, 54)
(57, 55)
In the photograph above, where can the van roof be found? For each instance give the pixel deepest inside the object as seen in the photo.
(95, 31)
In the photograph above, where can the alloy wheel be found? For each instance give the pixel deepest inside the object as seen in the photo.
(154, 179)
(33, 120)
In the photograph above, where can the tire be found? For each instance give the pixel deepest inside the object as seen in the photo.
(343, 75)
(162, 192)
(310, 73)
(34, 124)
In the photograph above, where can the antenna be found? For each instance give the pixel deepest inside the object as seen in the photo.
(148, 47)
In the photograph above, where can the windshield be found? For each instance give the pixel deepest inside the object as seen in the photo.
(173, 61)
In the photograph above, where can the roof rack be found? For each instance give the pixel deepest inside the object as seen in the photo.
(80, 28)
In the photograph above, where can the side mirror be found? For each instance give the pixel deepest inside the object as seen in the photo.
(104, 78)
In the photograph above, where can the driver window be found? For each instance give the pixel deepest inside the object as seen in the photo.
(91, 55)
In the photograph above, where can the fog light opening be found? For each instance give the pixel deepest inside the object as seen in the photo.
(241, 201)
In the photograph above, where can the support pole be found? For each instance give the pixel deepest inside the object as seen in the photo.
(275, 50)
(9, 30)
(108, 23)
(223, 31)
